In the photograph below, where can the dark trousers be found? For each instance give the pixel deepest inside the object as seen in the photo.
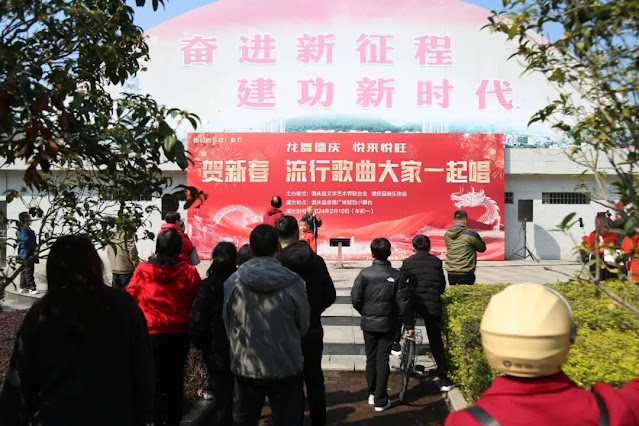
(604, 273)
(286, 397)
(434, 332)
(221, 384)
(461, 278)
(169, 356)
(121, 280)
(433, 325)
(312, 347)
(27, 280)
(378, 347)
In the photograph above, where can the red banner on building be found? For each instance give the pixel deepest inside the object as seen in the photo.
(362, 185)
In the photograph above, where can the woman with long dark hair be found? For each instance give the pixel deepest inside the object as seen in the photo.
(165, 288)
(82, 355)
(206, 328)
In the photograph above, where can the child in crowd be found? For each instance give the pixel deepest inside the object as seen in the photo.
(307, 235)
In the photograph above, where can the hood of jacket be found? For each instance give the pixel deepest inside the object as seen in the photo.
(455, 231)
(171, 226)
(265, 275)
(272, 211)
(297, 256)
(166, 269)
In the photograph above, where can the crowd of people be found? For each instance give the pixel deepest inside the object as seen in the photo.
(89, 353)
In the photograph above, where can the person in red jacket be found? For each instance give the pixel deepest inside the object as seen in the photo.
(526, 331)
(307, 235)
(165, 288)
(174, 221)
(630, 246)
(273, 213)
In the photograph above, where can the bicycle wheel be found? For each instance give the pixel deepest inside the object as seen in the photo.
(408, 362)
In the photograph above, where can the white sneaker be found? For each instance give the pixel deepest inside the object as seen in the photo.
(34, 291)
(385, 407)
(396, 349)
(446, 385)
(371, 399)
(22, 290)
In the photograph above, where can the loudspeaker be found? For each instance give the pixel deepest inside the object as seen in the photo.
(525, 211)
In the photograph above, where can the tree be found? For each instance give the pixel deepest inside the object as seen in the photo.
(593, 63)
(87, 153)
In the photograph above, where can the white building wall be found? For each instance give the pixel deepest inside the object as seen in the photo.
(529, 172)
(543, 238)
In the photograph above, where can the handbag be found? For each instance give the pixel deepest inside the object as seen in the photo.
(193, 257)
(610, 255)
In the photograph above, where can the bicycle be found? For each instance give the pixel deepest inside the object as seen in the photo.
(407, 361)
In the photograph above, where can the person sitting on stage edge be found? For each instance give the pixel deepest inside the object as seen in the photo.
(462, 245)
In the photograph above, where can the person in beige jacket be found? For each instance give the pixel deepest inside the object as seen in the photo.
(123, 258)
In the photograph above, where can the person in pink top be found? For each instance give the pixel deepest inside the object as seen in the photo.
(307, 235)
(174, 221)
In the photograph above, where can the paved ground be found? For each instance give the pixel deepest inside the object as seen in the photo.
(347, 403)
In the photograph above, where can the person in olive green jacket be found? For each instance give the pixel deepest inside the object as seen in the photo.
(123, 258)
(462, 245)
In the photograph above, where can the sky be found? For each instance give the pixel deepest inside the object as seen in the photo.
(146, 18)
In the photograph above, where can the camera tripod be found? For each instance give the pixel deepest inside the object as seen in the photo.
(524, 252)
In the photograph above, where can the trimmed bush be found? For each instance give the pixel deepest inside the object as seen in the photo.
(606, 349)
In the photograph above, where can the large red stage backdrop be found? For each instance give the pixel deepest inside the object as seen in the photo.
(363, 185)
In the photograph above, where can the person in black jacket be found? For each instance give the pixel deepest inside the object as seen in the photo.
(298, 256)
(380, 294)
(83, 353)
(427, 283)
(207, 332)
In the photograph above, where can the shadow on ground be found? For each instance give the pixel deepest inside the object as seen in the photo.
(347, 404)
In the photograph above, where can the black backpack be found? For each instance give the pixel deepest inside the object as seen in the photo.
(483, 417)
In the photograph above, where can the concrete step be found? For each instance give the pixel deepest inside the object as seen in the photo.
(358, 362)
(352, 334)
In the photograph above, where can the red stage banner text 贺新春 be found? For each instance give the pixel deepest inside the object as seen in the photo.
(362, 185)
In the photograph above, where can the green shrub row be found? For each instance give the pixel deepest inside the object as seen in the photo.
(606, 349)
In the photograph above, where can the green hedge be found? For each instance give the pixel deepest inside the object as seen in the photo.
(606, 349)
